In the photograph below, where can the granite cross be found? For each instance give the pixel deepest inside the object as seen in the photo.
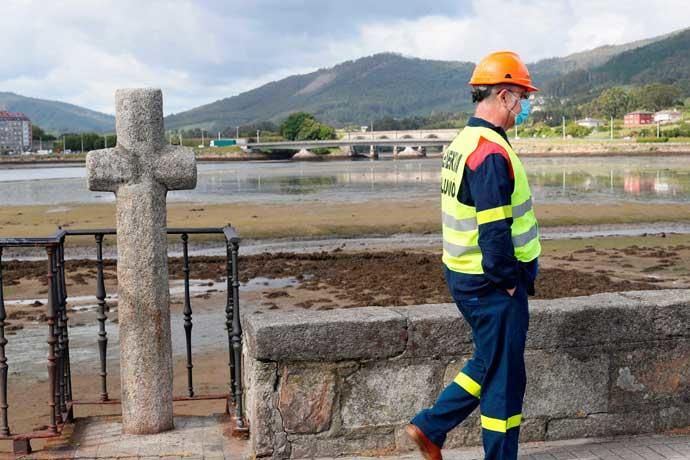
(140, 170)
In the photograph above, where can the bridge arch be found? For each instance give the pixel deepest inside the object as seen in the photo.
(432, 136)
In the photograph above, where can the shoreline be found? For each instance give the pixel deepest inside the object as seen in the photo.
(552, 151)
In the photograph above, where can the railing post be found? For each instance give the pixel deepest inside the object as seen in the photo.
(65, 332)
(4, 423)
(187, 314)
(61, 368)
(237, 336)
(52, 426)
(228, 318)
(101, 316)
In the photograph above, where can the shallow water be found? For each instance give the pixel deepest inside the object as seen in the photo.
(556, 179)
(27, 349)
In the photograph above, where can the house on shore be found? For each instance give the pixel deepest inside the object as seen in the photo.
(589, 122)
(638, 118)
(668, 116)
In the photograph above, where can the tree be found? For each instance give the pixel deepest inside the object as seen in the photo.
(304, 126)
(91, 141)
(656, 97)
(290, 128)
(38, 133)
(613, 102)
(575, 130)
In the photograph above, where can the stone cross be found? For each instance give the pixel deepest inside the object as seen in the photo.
(140, 170)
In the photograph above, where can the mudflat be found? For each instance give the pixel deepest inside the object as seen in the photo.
(314, 219)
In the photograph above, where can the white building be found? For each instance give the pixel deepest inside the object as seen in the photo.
(15, 132)
(667, 116)
(590, 122)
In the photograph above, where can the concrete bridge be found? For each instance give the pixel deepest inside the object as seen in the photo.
(431, 134)
(409, 140)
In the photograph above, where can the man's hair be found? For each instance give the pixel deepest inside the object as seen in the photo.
(479, 93)
(482, 92)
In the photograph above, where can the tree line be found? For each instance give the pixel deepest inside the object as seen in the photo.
(611, 102)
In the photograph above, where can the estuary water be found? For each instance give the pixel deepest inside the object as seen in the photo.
(553, 179)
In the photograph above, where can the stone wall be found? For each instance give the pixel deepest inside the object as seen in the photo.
(338, 382)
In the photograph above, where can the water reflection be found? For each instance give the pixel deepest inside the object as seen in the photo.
(552, 179)
(646, 185)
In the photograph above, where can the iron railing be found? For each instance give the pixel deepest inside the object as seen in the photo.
(60, 397)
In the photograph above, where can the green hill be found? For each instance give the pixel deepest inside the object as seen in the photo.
(57, 117)
(390, 85)
(353, 92)
(662, 61)
(551, 68)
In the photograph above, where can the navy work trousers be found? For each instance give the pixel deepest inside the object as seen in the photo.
(493, 379)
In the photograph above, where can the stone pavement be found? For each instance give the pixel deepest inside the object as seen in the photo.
(206, 438)
(102, 438)
(647, 447)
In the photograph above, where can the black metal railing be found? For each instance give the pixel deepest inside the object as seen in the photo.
(60, 397)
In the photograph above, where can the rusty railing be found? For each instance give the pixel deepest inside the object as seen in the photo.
(59, 394)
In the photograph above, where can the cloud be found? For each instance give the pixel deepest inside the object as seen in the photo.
(536, 29)
(80, 51)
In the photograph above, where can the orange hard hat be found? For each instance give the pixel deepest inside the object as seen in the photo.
(502, 67)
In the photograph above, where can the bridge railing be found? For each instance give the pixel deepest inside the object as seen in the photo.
(59, 392)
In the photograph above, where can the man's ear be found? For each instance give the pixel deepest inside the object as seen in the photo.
(501, 96)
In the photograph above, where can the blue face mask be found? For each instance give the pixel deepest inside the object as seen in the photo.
(525, 107)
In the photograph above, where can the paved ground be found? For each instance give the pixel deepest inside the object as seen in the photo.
(193, 438)
(652, 447)
(206, 438)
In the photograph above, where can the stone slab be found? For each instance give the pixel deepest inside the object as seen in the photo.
(333, 335)
(389, 393)
(266, 434)
(371, 445)
(436, 330)
(563, 385)
(306, 398)
(597, 320)
(650, 377)
(598, 425)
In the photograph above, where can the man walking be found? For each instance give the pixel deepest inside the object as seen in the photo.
(490, 250)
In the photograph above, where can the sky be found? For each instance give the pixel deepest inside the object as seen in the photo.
(199, 51)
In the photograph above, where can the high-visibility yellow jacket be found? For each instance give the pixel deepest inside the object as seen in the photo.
(461, 251)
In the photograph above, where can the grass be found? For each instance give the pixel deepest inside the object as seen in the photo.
(218, 150)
